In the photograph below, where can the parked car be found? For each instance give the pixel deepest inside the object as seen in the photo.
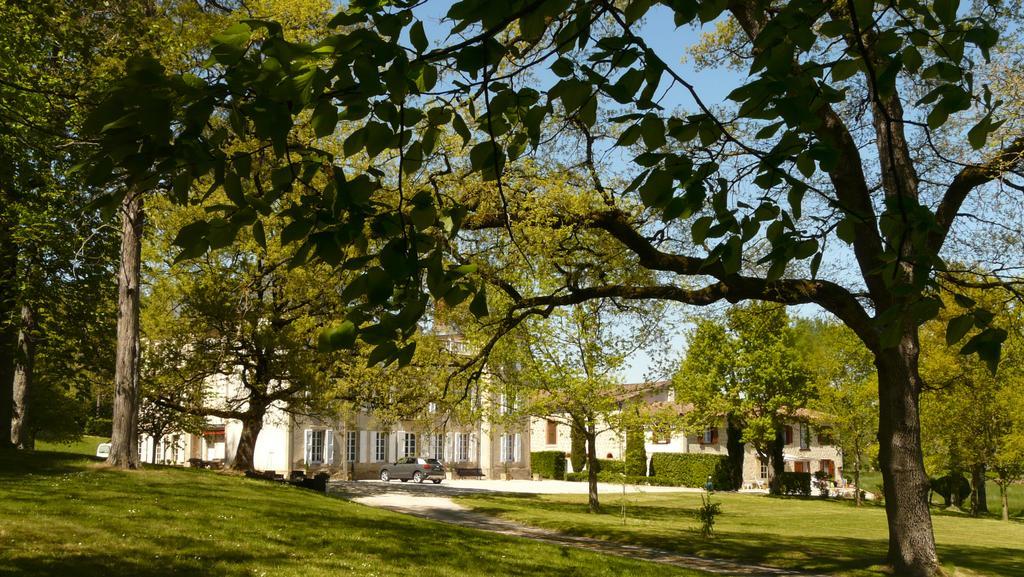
(103, 450)
(414, 468)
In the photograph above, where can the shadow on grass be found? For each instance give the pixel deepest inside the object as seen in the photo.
(674, 528)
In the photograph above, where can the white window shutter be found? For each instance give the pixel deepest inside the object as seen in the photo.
(501, 404)
(504, 450)
(329, 447)
(519, 448)
(374, 439)
(473, 456)
(309, 445)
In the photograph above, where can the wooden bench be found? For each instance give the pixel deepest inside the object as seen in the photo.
(463, 472)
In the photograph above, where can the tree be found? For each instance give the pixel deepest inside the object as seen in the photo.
(239, 314)
(746, 369)
(733, 203)
(565, 368)
(846, 391)
(969, 418)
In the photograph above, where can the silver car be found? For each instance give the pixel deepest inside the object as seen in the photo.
(414, 468)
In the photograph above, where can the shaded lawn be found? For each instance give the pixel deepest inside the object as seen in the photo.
(64, 515)
(84, 446)
(813, 535)
(872, 481)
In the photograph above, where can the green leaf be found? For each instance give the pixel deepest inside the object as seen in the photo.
(958, 328)
(338, 336)
(228, 47)
(385, 351)
(259, 235)
(652, 129)
(406, 354)
(977, 135)
(418, 37)
(945, 10)
(324, 119)
(478, 306)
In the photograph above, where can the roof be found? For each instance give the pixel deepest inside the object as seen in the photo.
(630, 390)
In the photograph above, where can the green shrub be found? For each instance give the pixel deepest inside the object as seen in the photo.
(692, 470)
(606, 477)
(795, 483)
(578, 452)
(610, 467)
(548, 464)
(99, 426)
(636, 452)
(576, 476)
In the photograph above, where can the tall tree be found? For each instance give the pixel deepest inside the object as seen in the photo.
(756, 201)
(746, 369)
(846, 391)
(566, 368)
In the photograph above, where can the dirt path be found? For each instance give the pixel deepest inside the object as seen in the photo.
(435, 502)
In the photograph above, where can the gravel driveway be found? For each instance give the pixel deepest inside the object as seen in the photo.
(435, 502)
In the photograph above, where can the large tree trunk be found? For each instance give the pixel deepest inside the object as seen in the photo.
(979, 497)
(21, 435)
(8, 328)
(734, 446)
(124, 440)
(252, 424)
(911, 540)
(592, 499)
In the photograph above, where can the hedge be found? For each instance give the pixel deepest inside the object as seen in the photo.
(610, 466)
(628, 479)
(636, 452)
(548, 464)
(795, 483)
(692, 469)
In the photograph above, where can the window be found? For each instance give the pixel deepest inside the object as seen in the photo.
(462, 447)
(764, 468)
(352, 447)
(710, 436)
(789, 435)
(409, 445)
(510, 447)
(431, 407)
(319, 446)
(805, 436)
(828, 466)
(380, 447)
(552, 432)
(436, 446)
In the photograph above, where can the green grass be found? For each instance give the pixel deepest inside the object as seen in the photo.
(872, 481)
(66, 515)
(813, 535)
(84, 446)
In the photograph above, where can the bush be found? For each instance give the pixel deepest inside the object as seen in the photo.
(610, 467)
(636, 452)
(692, 470)
(548, 464)
(99, 427)
(795, 483)
(606, 477)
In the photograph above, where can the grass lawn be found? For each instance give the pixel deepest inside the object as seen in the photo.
(64, 515)
(822, 536)
(84, 446)
(1015, 495)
